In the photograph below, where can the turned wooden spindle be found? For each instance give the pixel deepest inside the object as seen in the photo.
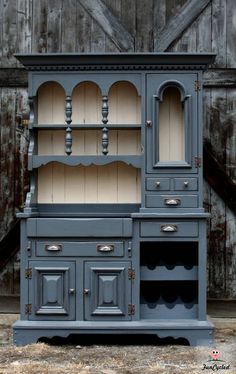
(68, 120)
(105, 139)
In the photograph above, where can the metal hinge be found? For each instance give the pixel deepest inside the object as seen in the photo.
(28, 308)
(131, 309)
(28, 273)
(131, 273)
(197, 85)
(198, 162)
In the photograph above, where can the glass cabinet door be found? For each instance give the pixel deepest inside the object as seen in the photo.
(172, 123)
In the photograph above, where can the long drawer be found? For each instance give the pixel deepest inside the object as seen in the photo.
(79, 249)
(168, 229)
(79, 227)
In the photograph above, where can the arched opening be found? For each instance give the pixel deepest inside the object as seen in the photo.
(171, 126)
(51, 110)
(86, 103)
(51, 103)
(124, 104)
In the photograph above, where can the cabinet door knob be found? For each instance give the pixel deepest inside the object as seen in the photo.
(71, 291)
(86, 291)
(149, 123)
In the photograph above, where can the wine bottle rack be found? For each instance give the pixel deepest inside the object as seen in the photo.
(162, 299)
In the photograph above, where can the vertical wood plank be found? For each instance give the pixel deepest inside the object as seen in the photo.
(127, 184)
(68, 26)
(159, 17)
(54, 26)
(219, 42)
(45, 184)
(107, 183)
(74, 184)
(91, 184)
(115, 8)
(40, 12)
(24, 26)
(7, 155)
(21, 173)
(204, 30)
(217, 259)
(230, 134)
(144, 27)
(206, 114)
(231, 34)
(9, 33)
(97, 38)
(218, 120)
(58, 182)
(83, 30)
(230, 255)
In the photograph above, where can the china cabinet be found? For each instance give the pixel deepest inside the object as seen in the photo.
(113, 232)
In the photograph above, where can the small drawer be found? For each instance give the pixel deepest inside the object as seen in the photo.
(79, 249)
(185, 184)
(169, 201)
(168, 229)
(158, 184)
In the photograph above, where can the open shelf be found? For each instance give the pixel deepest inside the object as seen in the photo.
(167, 299)
(81, 126)
(37, 161)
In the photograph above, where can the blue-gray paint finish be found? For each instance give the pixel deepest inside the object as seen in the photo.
(108, 291)
(85, 260)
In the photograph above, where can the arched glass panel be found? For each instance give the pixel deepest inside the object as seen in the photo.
(171, 126)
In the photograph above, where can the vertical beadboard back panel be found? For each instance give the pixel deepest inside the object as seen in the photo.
(115, 183)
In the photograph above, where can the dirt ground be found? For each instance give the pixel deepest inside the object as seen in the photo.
(136, 357)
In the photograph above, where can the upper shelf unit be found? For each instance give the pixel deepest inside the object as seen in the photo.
(88, 137)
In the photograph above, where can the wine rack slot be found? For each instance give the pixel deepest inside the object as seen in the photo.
(162, 299)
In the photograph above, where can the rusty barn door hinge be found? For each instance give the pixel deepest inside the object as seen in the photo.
(28, 308)
(131, 309)
(28, 273)
(197, 85)
(131, 273)
(198, 162)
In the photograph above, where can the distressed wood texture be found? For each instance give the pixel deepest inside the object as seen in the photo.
(120, 25)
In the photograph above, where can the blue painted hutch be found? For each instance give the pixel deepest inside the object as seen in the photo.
(113, 232)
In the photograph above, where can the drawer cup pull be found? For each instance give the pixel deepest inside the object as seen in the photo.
(105, 248)
(53, 247)
(172, 201)
(169, 228)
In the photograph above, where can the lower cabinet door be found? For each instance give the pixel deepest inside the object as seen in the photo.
(107, 291)
(52, 290)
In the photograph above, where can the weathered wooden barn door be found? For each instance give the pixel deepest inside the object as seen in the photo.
(123, 26)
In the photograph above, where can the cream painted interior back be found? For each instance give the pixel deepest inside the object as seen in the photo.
(114, 183)
(171, 126)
